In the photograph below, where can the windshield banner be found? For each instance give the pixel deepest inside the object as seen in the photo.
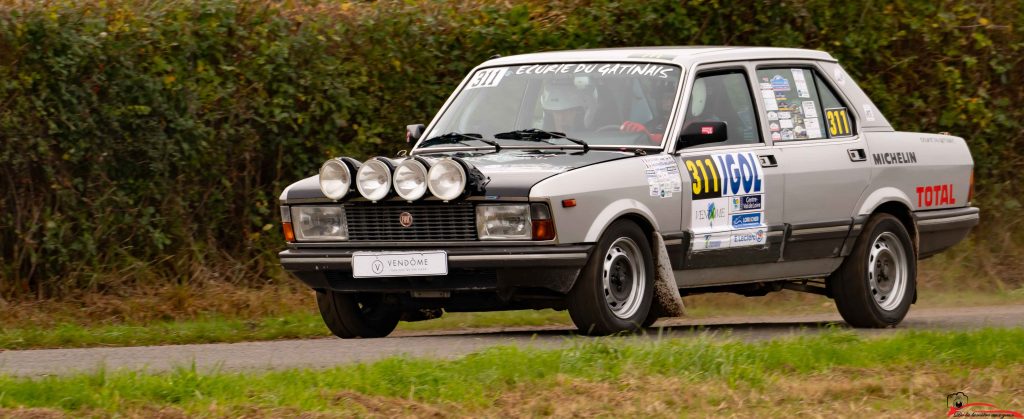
(618, 69)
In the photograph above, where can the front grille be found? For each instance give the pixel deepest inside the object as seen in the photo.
(430, 222)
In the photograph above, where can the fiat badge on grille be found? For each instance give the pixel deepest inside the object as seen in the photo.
(405, 219)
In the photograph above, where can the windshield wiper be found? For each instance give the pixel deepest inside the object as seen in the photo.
(458, 138)
(535, 134)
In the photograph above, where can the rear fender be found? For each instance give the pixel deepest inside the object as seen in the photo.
(880, 196)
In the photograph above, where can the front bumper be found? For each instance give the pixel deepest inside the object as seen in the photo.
(477, 268)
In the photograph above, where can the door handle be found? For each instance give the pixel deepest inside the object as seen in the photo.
(857, 154)
(768, 160)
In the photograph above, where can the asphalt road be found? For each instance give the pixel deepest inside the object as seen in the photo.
(320, 353)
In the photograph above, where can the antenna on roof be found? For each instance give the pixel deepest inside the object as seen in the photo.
(495, 56)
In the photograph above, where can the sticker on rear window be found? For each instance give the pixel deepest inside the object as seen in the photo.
(837, 122)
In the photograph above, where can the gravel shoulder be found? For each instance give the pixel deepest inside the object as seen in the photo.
(323, 353)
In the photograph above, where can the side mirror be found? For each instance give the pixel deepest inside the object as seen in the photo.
(698, 133)
(413, 132)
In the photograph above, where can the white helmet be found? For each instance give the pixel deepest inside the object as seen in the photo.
(559, 95)
(698, 98)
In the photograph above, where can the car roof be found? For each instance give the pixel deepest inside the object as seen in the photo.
(683, 55)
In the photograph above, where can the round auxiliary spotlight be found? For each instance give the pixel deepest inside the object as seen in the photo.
(373, 180)
(335, 179)
(447, 179)
(411, 180)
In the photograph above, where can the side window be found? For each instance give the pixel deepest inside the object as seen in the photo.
(800, 106)
(838, 121)
(725, 97)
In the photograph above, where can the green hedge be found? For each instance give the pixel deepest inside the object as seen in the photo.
(147, 141)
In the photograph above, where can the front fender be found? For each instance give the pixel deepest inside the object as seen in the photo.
(602, 193)
(616, 210)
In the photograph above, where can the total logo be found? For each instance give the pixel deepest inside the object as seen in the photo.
(928, 196)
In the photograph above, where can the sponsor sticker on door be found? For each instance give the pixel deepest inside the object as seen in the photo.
(712, 241)
(748, 220)
(728, 192)
(746, 203)
(751, 237)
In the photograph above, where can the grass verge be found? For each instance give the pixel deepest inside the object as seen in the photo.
(200, 330)
(908, 373)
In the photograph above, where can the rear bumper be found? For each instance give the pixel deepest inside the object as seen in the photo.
(483, 268)
(939, 230)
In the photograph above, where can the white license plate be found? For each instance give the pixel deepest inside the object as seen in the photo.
(382, 264)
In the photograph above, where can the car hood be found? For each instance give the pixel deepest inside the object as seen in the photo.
(509, 172)
(514, 172)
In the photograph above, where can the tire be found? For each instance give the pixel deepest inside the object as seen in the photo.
(357, 316)
(651, 318)
(877, 283)
(615, 291)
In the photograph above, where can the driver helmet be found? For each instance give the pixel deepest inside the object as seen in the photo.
(698, 98)
(563, 94)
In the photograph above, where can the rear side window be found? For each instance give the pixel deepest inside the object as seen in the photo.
(800, 106)
(838, 122)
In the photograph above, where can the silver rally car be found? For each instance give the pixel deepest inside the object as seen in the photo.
(613, 182)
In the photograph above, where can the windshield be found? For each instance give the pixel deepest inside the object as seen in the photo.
(602, 104)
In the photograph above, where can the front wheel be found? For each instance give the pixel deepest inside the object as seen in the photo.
(876, 284)
(356, 315)
(615, 291)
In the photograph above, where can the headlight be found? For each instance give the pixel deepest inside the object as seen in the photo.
(335, 179)
(504, 222)
(319, 223)
(447, 179)
(374, 180)
(411, 180)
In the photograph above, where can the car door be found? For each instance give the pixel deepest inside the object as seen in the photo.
(819, 151)
(734, 216)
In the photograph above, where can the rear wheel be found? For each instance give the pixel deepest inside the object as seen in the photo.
(357, 315)
(876, 284)
(615, 291)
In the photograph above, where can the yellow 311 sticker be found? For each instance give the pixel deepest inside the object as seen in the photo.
(838, 121)
(704, 176)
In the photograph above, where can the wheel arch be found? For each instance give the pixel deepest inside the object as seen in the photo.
(903, 213)
(625, 209)
(892, 201)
